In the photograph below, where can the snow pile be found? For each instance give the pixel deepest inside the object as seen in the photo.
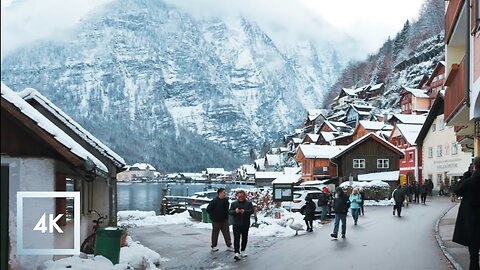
(271, 227)
(139, 256)
(378, 203)
(365, 185)
(78, 263)
(148, 218)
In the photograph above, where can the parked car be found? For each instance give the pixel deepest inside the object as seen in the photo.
(299, 200)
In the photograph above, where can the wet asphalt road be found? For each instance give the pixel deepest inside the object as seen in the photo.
(380, 241)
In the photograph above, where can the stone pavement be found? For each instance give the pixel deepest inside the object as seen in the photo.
(457, 254)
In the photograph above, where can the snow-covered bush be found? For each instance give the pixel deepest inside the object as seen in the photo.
(374, 190)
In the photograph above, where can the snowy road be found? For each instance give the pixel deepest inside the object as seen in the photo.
(380, 241)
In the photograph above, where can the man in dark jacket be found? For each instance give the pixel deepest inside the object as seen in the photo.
(340, 207)
(398, 196)
(241, 210)
(416, 191)
(424, 191)
(309, 210)
(218, 212)
(323, 203)
(467, 225)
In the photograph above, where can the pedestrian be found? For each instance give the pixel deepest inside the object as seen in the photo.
(467, 225)
(340, 207)
(217, 209)
(410, 192)
(451, 190)
(241, 210)
(416, 191)
(309, 210)
(424, 192)
(355, 200)
(323, 204)
(430, 187)
(362, 202)
(398, 196)
(441, 192)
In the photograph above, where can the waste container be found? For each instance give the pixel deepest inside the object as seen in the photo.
(205, 215)
(107, 243)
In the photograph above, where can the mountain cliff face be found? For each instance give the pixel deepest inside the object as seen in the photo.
(183, 93)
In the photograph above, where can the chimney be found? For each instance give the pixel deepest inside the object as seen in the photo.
(385, 118)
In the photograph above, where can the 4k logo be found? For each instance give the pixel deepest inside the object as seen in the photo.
(47, 225)
(52, 223)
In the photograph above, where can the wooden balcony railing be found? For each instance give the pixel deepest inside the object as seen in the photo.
(451, 17)
(455, 93)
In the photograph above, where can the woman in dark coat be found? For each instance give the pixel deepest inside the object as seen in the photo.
(309, 210)
(467, 226)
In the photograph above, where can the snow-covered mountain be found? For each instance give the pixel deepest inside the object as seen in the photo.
(181, 92)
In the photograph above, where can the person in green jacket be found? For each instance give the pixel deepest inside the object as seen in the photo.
(355, 200)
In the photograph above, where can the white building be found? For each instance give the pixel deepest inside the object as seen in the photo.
(137, 171)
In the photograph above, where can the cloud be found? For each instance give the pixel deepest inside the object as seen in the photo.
(23, 22)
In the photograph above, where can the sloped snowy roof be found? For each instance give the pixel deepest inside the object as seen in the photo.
(409, 132)
(338, 124)
(314, 114)
(375, 125)
(268, 175)
(359, 107)
(380, 176)
(44, 123)
(260, 163)
(141, 167)
(320, 151)
(312, 136)
(273, 159)
(417, 92)
(365, 137)
(376, 86)
(297, 140)
(350, 92)
(410, 118)
(249, 169)
(287, 179)
(328, 136)
(30, 93)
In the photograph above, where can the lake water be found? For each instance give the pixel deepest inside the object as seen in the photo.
(148, 196)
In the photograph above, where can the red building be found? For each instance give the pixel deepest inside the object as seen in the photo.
(414, 101)
(403, 136)
(434, 83)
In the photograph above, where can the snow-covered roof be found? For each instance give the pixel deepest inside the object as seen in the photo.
(287, 179)
(297, 140)
(312, 136)
(298, 131)
(375, 125)
(380, 176)
(417, 92)
(328, 136)
(350, 92)
(141, 167)
(268, 175)
(291, 170)
(338, 124)
(410, 118)
(44, 123)
(30, 93)
(359, 107)
(314, 182)
(320, 151)
(249, 169)
(376, 86)
(365, 137)
(343, 135)
(216, 171)
(314, 114)
(409, 132)
(260, 163)
(273, 159)
(385, 133)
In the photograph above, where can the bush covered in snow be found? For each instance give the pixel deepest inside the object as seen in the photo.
(374, 190)
(261, 198)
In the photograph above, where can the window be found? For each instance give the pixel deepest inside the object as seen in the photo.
(430, 152)
(325, 169)
(383, 163)
(454, 149)
(439, 178)
(434, 127)
(410, 156)
(359, 163)
(439, 151)
(441, 125)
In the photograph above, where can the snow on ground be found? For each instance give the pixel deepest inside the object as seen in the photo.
(149, 218)
(133, 256)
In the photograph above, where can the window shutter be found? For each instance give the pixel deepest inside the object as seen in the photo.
(475, 16)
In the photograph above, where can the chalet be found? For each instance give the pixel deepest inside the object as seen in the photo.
(263, 179)
(356, 113)
(434, 84)
(315, 161)
(374, 91)
(137, 171)
(245, 172)
(326, 138)
(334, 126)
(43, 149)
(314, 118)
(414, 101)
(347, 95)
(343, 139)
(368, 154)
(310, 138)
(365, 127)
(404, 136)
(214, 173)
(442, 156)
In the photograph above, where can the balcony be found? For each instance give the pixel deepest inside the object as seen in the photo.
(455, 94)
(451, 17)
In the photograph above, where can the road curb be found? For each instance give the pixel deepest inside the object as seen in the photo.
(441, 244)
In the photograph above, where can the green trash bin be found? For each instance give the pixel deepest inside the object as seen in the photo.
(108, 242)
(205, 215)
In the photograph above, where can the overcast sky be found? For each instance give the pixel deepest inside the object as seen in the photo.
(369, 22)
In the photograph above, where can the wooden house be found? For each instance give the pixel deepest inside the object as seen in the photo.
(368, 154)
(414, 101)
(316, 162)
(264, 179)
(344, 139)
(435, 83)
(43, 149)
(365, 127)
(356, 113)
(310, 138)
